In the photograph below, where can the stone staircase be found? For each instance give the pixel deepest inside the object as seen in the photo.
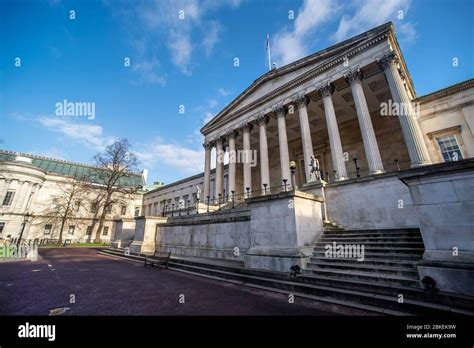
(389, 256)
(375, 285)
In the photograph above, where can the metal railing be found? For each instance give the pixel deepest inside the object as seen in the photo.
(232, 200)
(222, 201)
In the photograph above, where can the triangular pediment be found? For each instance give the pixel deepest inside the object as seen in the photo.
(278, 78)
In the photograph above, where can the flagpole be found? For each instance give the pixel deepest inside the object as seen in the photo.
(269, 53)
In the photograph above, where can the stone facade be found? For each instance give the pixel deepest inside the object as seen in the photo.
(34, 190)
(443, 197)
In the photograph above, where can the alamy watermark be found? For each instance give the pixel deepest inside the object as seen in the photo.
(239, 156)
(22, 251)
(391, 108)
(344, 251)
(67, 108)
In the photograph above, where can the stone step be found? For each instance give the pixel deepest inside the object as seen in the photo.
(343, 239)
(330, 234)
(376, 243)
(381, 256)
(383, 231)
(379, 302)
(370, 261)
(322, 288)
(364, 275)
(383, 249)
(361, 266)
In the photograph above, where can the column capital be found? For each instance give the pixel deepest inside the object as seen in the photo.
(208, 145)
(301, 100)
(326, 90)
(262, 119)
(246, 126)
(354, 75)
(280, 110)
(387, 60)
(231, 133)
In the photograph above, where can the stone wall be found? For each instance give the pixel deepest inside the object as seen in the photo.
(124, 230)
(213, 235)
(443, 196)
(374, 202)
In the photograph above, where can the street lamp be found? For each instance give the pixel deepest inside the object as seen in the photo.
(293, 170)
(26, 218)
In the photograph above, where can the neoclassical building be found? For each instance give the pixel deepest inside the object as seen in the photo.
(352, 106)
(29, 187)
(390, 163)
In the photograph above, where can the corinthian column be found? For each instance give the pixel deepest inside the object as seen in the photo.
(219, 166)
(232, 163)
(354, 78)
(264, 163)
(247, 155)
(334, 138)
(283, 144)
(410, 127)
(307, 143)
(207, 169)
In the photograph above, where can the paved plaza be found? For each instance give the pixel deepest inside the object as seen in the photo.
(102, 285)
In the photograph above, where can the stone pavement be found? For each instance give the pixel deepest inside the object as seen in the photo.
(101, 285)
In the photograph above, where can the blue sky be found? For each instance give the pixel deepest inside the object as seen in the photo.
(187, 62)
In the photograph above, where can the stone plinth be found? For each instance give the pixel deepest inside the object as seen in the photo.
(144, 239)
(283, 230)
(443, 196)
(124, 230)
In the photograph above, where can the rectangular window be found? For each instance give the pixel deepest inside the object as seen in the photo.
(105, 231)
(71, 229)
(449, 148)
(137, 211)
(108, 210)
(94, 207)
(89, 231)
(77, 205)
(124, 210)
(7, 200)
(2, 226)
(47, 229)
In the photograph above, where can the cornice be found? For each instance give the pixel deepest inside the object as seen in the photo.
(446, 91)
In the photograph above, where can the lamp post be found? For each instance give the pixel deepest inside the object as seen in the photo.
(293, 170)
(26, 218)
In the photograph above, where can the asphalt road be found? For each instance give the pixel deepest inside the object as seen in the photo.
(101, 285)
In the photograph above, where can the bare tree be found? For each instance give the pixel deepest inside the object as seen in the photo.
(64, 208)
(117, 165)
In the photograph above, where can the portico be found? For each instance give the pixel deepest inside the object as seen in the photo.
(327, 105)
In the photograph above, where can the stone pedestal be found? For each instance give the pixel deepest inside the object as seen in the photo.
(443, 196)
(318, 186)
(123, 232)
(144, 239)
(283, 230)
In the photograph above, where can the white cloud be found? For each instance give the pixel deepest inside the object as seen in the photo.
(181, 50)
(88, 134)
(290, 44)
(148, 74)
(186, 161)
(368, 14)
(211, 37)
(151, 23)
(223, 92)
(293, 42)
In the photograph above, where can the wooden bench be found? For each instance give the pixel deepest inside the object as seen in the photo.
(161, 261)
